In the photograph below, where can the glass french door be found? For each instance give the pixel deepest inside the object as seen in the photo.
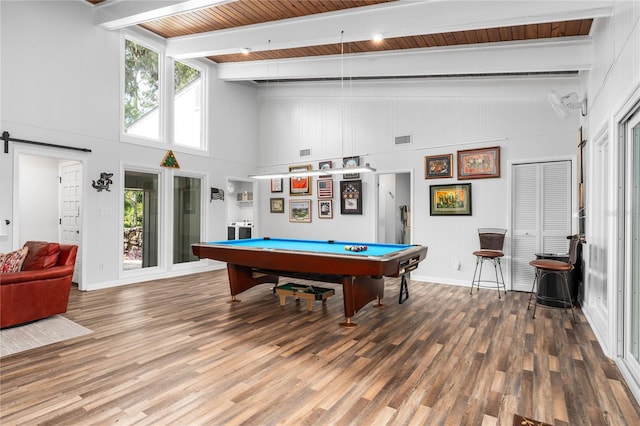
(632, 249)
(187, 196)
(141, 220)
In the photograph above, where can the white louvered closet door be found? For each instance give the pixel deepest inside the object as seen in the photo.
(541, 209)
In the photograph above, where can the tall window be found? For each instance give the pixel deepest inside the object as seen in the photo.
(187, 105)
(141, 91)
(163, 99)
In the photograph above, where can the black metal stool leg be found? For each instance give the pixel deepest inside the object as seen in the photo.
(566, 295)
(473, 281)
(532, 288)
(495, 269)
(404, 290)
(537, 282)
(504, 286)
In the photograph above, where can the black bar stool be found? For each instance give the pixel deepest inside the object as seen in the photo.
(491, 246)
(554, 267)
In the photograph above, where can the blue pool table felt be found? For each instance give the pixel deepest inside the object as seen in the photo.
(315, 246)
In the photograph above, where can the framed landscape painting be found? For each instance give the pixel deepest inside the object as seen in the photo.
(300, 211)
(479, 163)
(450, 200)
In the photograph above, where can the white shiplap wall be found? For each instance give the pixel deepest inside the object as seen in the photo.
(613, 86)
(443, 116)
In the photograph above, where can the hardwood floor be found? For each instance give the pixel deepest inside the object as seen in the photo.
(175, 352)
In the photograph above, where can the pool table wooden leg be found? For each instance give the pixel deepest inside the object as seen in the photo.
(242, 278)
(357, 292)
(347, 323)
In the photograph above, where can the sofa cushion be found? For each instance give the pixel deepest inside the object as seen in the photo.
(41, 255)
(51, 259)
(12, 262)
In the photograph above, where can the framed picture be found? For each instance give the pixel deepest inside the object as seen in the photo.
(325, 165)
(299, 210)
(300, 185)
(325, 209)
(351, 197)
(276, 185)
(438, 166)
(325, 188)
(450, 200)
(479, 163)
(350, 162)
(277, 205)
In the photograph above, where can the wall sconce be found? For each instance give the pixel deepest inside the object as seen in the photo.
(3, 227)
(103, 182)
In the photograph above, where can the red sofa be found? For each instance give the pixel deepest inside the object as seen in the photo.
(41, 288)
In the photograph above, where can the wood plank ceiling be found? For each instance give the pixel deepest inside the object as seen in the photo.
(241, 13)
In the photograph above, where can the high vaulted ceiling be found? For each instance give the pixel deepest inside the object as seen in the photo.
(328, 39)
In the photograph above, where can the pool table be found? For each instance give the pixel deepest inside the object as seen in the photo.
(263, 260)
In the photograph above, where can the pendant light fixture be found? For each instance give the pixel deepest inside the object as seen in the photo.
(317, 172)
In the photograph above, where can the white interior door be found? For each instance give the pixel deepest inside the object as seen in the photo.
(71, 211)
(541, 215)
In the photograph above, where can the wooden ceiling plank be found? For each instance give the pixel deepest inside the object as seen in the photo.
(303, 8)
(544, 30)
(505, 34)
(449, 39)
(531, 32)
(235, 15)
(558, 29)
(460, 37)
(573, 28)
(193, 22)
(471, 36)
(439, 39)
(494, 35)
(518, 32)
(585, 27)
(482, 36)
(278, 10)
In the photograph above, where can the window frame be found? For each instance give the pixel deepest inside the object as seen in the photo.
(197, 64)
(165, 96)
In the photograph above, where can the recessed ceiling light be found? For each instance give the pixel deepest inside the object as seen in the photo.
(245, 50)
(378, 37)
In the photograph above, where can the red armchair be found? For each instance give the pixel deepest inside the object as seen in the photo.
(41, 289)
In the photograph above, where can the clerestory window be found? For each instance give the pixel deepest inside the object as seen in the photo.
(151, 116)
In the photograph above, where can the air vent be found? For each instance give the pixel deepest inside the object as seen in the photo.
(402, 140)
(305, 152)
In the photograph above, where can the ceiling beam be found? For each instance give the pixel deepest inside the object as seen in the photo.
(124, 13)
(402, 18)
(554, 55)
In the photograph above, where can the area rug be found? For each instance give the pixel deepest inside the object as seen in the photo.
(38, 333)
(519, 420)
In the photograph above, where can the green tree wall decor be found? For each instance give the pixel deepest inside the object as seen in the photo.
(170, 161)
